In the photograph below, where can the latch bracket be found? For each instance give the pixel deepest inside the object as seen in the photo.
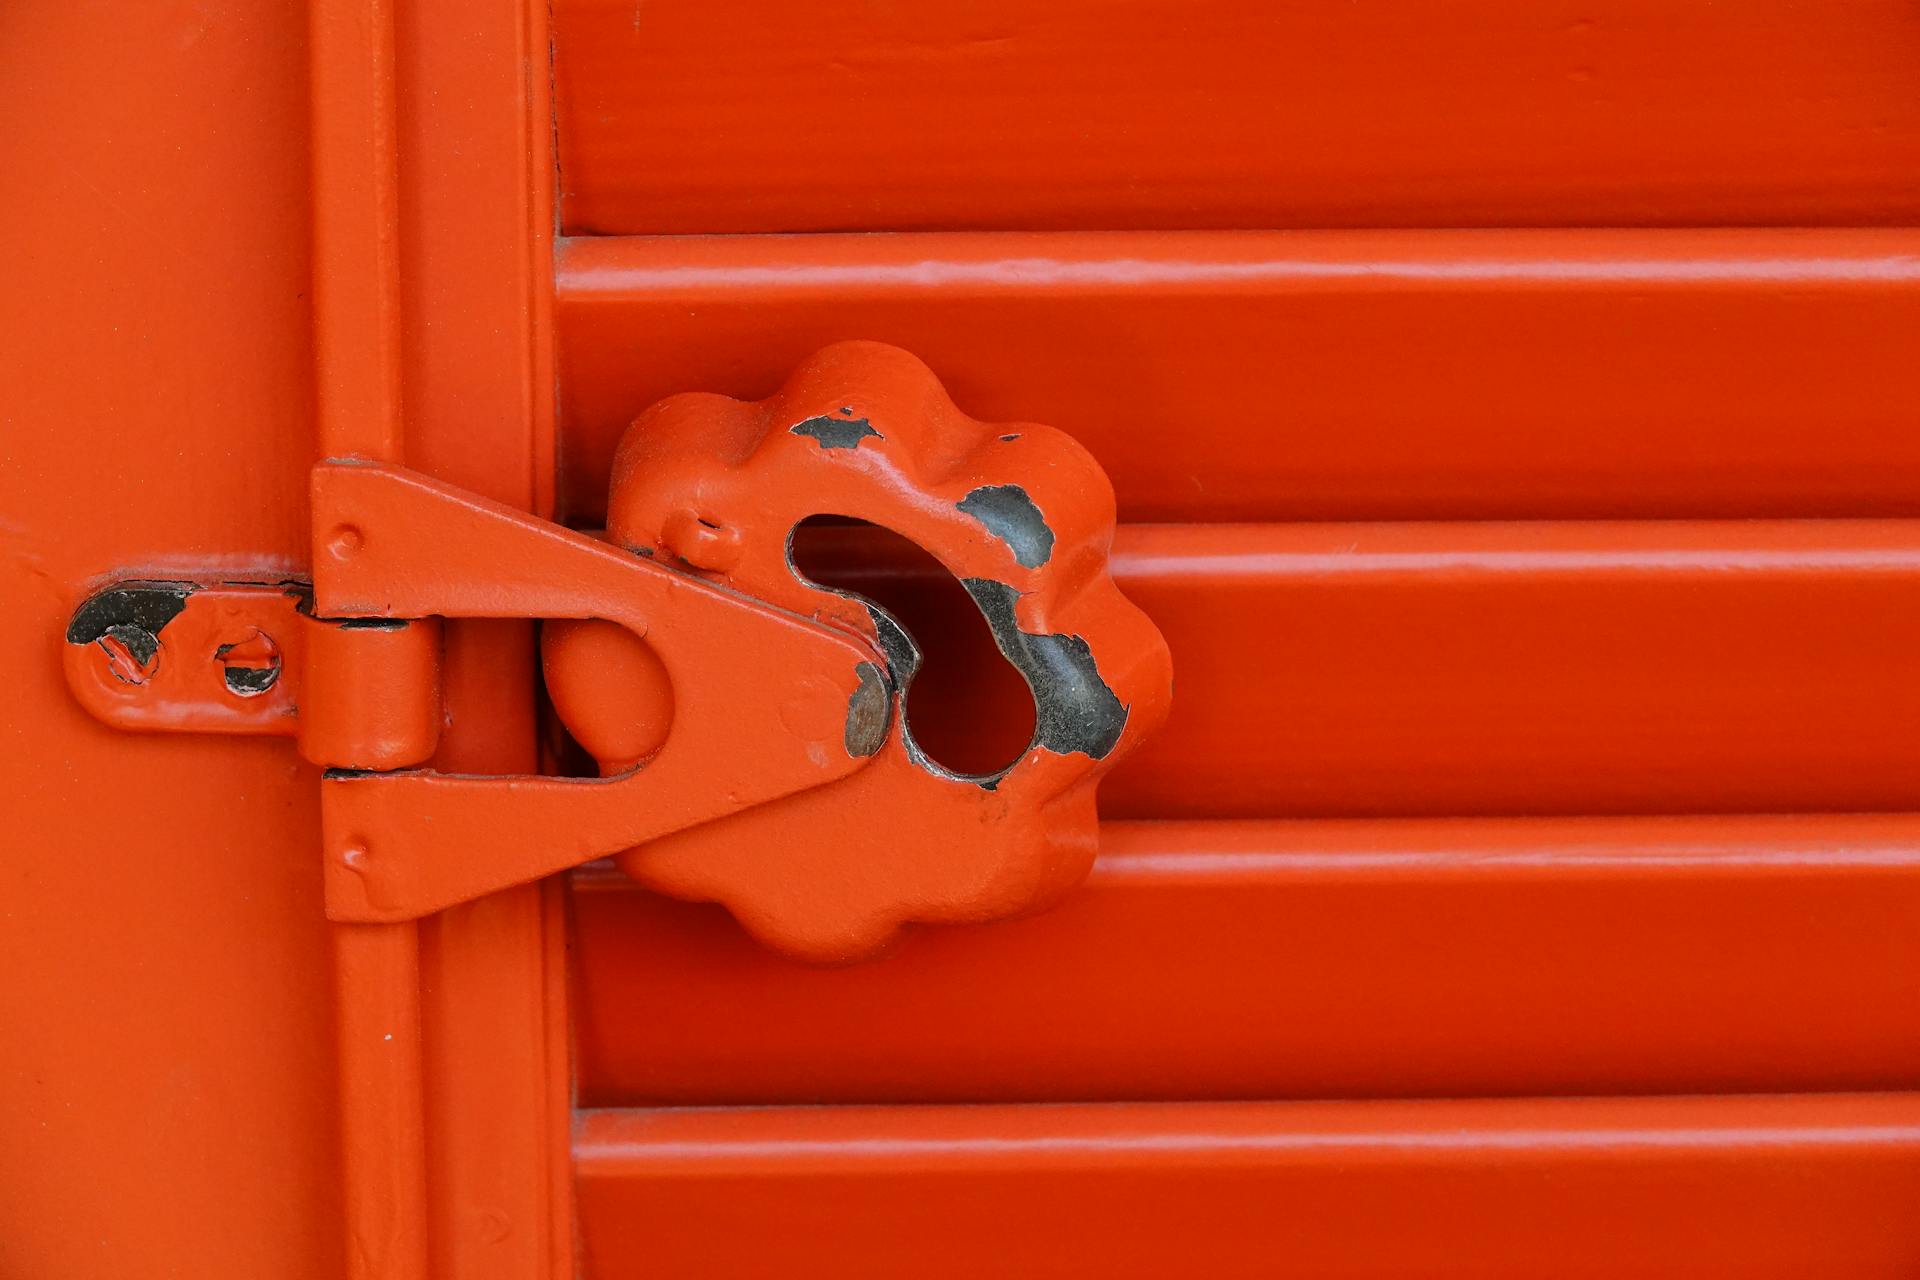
(391, 543)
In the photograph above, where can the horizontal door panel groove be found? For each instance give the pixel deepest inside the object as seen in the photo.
(1309, 959)
(1319, 375)
(1693, 1187)
(692, 117)
(1336, 670)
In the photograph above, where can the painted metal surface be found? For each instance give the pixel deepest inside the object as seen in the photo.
(147, 654)
(1018, 512)
(1309, 959)
(1657, 667)
(405, 844)
(431, 243)
(768, 684)
(769, 116)
(165, 1089)
(180, 656)
(1317, 375)
(372, 692)
(1678, 1187)
(1524, 560)
(249, 240)
(1495, 668)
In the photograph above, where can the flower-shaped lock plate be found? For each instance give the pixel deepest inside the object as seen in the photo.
(1020, 514)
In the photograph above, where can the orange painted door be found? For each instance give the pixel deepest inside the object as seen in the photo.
(1512, 414)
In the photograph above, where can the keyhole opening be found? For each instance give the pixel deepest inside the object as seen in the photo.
(969, 709)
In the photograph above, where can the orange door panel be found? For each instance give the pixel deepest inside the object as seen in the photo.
(688, 117)
(1440, 958)
(1529, 531)
(1504, 415)
(1579, 1187)
(1318, 375)
(165, 1087)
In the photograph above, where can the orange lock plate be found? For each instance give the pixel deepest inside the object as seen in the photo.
(1019, 513)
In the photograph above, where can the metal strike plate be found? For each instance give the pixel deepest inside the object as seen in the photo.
(174, 655)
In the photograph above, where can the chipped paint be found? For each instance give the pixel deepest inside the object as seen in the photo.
(126, 621)
(1012, 516)
(867, 712)
(1075, 710)
(836, 433)
(127, 608)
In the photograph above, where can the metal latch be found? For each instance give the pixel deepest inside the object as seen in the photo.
(749, 724)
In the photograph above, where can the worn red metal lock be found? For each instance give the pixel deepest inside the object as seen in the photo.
(1020, 514)
(749, 724)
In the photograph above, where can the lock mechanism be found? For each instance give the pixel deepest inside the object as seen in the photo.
(749, 725)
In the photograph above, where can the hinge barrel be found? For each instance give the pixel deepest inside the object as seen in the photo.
(371, 692)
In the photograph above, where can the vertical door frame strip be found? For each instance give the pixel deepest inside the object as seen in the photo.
(359, 353)
(356, 356)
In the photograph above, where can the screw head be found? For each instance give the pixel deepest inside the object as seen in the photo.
(133, 652)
